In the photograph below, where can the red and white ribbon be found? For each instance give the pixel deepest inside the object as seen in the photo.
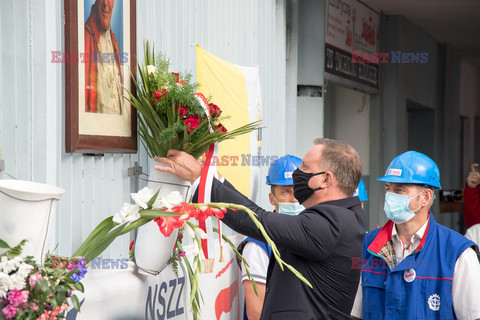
(205, 186)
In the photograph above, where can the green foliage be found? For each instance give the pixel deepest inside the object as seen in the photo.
(46, 292)
(165, 103)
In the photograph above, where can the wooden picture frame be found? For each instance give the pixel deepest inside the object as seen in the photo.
(97, 119)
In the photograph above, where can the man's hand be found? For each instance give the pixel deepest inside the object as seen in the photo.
(181, 164)
(473, 178)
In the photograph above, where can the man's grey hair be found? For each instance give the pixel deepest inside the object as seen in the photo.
(343, 161)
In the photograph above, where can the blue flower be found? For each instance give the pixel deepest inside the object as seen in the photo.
(81, 270)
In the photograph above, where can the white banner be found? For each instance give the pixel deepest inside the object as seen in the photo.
(365, 29)
(339, 29)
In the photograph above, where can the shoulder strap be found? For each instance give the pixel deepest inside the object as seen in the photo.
(263, 245)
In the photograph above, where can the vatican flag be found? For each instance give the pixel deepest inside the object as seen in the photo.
(236, 90)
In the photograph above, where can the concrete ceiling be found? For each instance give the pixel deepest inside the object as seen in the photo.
(453, 22)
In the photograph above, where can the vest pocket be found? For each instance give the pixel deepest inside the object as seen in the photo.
(373, 293)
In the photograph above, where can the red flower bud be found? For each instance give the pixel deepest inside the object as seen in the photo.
(183, 110)
(176, 76)
(214, 110)
(159, 94)
(192, 122)
(220, 128)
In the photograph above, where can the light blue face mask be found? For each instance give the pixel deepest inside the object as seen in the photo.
(291, 208)
(396, 207)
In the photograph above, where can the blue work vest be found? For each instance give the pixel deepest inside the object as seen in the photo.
(420, 286)
(268, 250)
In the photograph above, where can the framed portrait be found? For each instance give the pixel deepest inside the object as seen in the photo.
(99, 57)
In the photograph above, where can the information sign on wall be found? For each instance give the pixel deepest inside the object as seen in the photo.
(351, 31)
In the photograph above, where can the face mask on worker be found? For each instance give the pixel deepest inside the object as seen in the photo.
(301, 190)
(396, 207)
(290, 208)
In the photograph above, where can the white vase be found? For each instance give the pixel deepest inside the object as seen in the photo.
(26, 212)
(152, 248)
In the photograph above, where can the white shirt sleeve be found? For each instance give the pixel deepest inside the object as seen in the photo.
(466, 286)
(357, 308)
(257, 260)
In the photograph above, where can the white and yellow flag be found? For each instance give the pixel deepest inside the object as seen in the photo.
(236, 90)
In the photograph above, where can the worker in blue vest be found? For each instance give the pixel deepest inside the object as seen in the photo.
(257, 253)
(413, 267)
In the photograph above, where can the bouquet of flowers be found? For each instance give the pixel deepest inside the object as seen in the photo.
(170, 212)
(29, 291)
(170, 115)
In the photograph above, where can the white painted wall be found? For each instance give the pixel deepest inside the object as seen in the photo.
(309, 123)
(350, 116)
(32, 99)
(310, 73)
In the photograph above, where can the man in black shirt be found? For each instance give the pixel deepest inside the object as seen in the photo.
(320, 242)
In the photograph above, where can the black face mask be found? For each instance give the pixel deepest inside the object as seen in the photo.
(301, 190)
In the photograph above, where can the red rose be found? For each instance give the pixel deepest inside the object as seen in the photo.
(176, 75)
(214, 110)
(192, 122)
(220, 128)
(159, 94)
(183, 110)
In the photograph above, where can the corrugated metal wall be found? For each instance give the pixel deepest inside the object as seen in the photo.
(32, 99)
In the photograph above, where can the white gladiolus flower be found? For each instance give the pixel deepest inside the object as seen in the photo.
(170, 201)
(201, 233)
(142, 197)
(129, 213)
(195, 250)
(189, 231)
(151, 69)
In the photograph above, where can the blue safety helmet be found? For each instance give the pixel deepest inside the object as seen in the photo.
(361, 191)
(413, 167)
(280, 171)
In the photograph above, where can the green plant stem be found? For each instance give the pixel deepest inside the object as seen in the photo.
(240, 256)
(253, 215)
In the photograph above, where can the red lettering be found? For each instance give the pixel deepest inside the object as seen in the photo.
(375, 57)
(55, 57)
(74, 57)
(224, 161)
(234, 159)
(366, 57)
(355, 55)
(55, 261)
(384, 57)
(356, 263)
